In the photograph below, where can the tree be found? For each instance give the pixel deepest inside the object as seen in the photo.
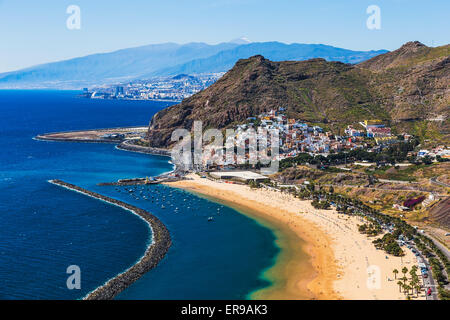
(404, 270)
(400, 285)
(406, 289)
(395, 271)
(418, 287)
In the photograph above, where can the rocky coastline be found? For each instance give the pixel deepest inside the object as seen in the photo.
(44, 138)
(127, 146)
(155, 252)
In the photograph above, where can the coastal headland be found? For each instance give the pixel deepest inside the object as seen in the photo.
(323, 256)
(155, 252)
(106, 135)
(123, 137)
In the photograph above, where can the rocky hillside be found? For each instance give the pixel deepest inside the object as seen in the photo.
(405, 85)
(440, 213)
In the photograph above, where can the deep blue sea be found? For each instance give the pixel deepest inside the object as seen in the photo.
(45, 228)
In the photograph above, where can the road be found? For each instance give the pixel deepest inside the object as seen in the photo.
(440, 246)
(394, 181)
(442, 184)
(429, 281)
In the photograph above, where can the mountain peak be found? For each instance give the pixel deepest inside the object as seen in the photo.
(167, 60)
(410, 53)
(241, 40)
(412, 45)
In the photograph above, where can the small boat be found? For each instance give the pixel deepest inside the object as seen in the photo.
(210, 219)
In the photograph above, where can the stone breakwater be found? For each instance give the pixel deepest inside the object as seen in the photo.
(129, 146)
(157, 249)
(45, 138)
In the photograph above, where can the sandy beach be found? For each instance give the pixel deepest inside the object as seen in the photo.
(323, 256)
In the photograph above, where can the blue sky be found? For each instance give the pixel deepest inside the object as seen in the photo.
(33, 32)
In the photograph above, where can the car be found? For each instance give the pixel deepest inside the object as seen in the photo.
(429, 292)
(425, 275)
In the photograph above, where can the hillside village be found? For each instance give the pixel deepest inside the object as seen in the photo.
(297, 137)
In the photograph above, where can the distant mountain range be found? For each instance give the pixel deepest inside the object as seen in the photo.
(167, 59)
(400, 87)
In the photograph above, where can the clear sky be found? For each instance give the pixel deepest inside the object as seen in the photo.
(33, 32)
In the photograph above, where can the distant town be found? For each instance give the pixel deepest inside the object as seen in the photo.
(172, 89)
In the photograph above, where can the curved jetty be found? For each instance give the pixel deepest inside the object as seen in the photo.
(155, 252)
(130, 146)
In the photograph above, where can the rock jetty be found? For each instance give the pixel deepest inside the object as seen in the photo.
(157, 249)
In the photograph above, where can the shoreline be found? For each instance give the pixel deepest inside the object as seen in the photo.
(157, 247)
(285, 261)
(92, 136)
(338, 258)
(125, 146)
(322, 254)
(297, 267)
(122, 145)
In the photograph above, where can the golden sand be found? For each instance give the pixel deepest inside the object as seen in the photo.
(323, 256)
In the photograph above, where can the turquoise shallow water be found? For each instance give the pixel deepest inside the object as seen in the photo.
(45, 228)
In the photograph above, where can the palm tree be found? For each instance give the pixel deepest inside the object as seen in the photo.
(395, 271)
(400, 285)
(418, 287)
(406, 289)
(404, 270)
(413, 285)
(404, 279)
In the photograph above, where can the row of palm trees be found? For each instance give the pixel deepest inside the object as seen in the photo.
(409, 287)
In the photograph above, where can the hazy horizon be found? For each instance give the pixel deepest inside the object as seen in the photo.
(180, 44)
(37, 33)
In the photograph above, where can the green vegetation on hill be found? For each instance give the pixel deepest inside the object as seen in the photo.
(395, 153)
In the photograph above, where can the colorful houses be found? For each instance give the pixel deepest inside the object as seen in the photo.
(351, 132)
(378, 132)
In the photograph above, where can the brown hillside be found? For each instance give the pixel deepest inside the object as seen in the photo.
(409, 84)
